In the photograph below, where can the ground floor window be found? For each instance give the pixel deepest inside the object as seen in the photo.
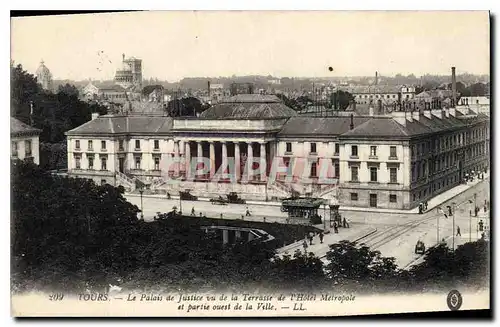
(392, 198)
(354, 196)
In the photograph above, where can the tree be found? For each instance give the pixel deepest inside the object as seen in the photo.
(301, 270)
(341, 100)
(352, 263)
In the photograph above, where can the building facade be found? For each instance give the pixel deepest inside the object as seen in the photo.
(130, 74)
(24, 140)
(379, 161)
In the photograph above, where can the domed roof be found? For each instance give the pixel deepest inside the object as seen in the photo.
(249, 106)
(42, 69)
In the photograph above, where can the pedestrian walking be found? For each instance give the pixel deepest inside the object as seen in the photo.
(321, 237)
(201, 215)
(458, 231)
(221, 215)
(311, 236)
(344, 223)
(347, 222)
(335, 227)
(481, 225)
(193, 212)
(304, 244)
(248, 212)
(426, 205)
(264, 219)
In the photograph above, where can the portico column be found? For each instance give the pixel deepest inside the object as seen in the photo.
(176, 158)
(212, 159)
(187, 158)
(249, 160)
(263, 162)
(237, 163)
(224, 157)
(199, 154)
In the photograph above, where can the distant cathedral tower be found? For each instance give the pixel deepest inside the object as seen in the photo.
(44, 77)
(130, 73)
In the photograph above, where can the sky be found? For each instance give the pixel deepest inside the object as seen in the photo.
(178, 44)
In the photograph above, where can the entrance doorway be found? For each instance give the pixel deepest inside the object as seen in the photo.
(373, 200)
(121, 164)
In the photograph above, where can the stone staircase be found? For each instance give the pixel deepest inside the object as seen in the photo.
(128, 183)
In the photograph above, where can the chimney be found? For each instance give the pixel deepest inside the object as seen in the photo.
(415, 115)
(95, 115)
(453, 86)
(438, 113)
(427, 114)
(446, 113)
(399, 117)
(352, 122)
(208, 86)
(376, 78)
(409, 116)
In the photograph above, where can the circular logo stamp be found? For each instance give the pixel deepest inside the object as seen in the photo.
(454, 300)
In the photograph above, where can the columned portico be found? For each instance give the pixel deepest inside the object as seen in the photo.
(224, 157)
(176, 158)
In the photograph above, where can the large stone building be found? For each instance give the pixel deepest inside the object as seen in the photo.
(130, 74)
(390, 161)
(24, 141)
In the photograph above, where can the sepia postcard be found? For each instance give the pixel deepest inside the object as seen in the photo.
(250, 163)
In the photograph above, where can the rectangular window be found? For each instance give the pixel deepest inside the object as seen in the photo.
(337, 170)
(393, 175)
(373, 174)
(104, 164)
(354, 196)
(392, 198)
(157, 145)
(91, 162)
(313, 147)
(337, 148)
(27, 148)
(354, 174)
(137, 144)
(354, 150)
(77, 144)
(103, 145)
(288, 147)
(77, 163)
(313, 169)
(137, 162)
(90, 146)
(373, 151)
(14, 149)
(392, 152)
(157, 163)
(120, 145)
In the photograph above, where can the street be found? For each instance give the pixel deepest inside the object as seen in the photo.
(396, 234)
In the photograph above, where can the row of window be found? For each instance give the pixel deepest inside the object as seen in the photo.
(90, 145)
(392, 198)
(393, 174)
(104, 163)
(27, 149)
(354, 150)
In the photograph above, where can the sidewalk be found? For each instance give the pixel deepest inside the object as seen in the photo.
(432, 203)
(352, 234)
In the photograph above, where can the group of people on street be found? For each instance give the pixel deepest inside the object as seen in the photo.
(422, 207)
(310, 236)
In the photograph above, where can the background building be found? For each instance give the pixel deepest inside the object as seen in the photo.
(44, 77)
(130, 74)
(24, 140)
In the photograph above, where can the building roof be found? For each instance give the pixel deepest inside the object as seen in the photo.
(249, 106)
(388, 127)
(319, 126)
(372, 89)
(17, 127)
(109, 124)
(112, 88)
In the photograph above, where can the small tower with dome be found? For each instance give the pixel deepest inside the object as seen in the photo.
(44, 76)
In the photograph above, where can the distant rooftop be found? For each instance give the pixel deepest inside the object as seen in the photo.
(19, 128)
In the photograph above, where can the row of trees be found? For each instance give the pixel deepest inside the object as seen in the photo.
(72, 234)
(339, 100)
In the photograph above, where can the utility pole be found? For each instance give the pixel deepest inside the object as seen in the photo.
(453, 215)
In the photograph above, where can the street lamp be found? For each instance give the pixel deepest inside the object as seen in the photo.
(453, 216)
(142, 211)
